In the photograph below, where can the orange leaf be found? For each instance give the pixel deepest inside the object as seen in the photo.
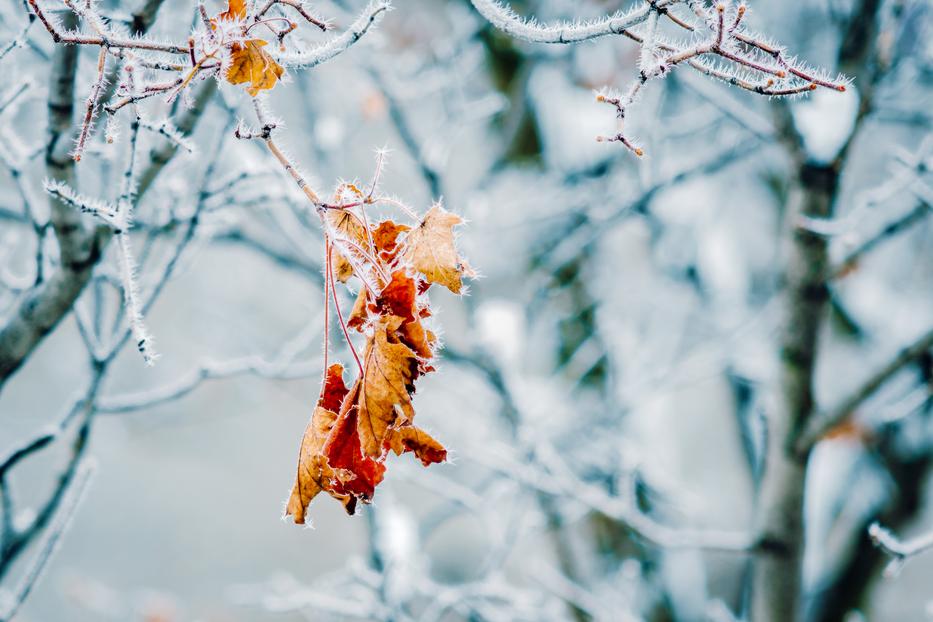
(314, 474)
(390, 368)
(236, 9)
(250, 63)
(410, 438)
(419, 339)
(360, 313)
(385, 238)
(398, 297)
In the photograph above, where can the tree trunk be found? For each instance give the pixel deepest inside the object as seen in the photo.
(777, 580)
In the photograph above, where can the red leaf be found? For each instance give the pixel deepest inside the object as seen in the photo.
(343, 451)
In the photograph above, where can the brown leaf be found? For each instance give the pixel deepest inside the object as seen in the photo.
(250, 63)
(431, 249)
(419, 339)
(389, 371)
(424, 446)
(361, 310)
(314, 473)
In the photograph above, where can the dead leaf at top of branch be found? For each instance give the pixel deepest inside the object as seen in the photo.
(250, 63)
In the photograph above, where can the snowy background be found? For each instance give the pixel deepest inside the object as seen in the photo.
(625, 320)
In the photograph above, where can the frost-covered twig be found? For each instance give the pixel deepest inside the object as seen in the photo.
(339, 44)
(65, 515)
(16, 541)
(167, 129)
(18, 41)
(102, 39)
(91, 106)
(889, 231)
(134, 312)
(899, 550)
(13, 94)
(106, 212)
(298, 7)
(505, 19)
(746, 60)
(281, 367)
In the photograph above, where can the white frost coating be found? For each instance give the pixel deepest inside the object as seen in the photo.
(505, 19)
(66, 194)
(167, 129)
(825, 121)
(131, 300)
(340, 43)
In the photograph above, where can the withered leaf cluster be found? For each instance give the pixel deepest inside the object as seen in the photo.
(353, 429)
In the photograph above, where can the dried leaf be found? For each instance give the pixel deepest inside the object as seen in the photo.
(250, 63)
(398, 297)
(389, 371)
(424, 446)
(355, 474)
(385, 238)
(313, 470)
(419, 339)
(361, 310)
(344, 454)
(236, 9)
(431, 250)
(334, 390)
(314, 474)
(345, 225)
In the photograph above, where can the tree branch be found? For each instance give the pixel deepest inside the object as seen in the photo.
(914, 216)
(63, 518)
(899, 550)
(819, 426)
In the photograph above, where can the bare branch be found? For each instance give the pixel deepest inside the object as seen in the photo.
(64, 516)
(505, 19)
(914, 216)
(341, 43)
(899, 550)
(819, 426)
